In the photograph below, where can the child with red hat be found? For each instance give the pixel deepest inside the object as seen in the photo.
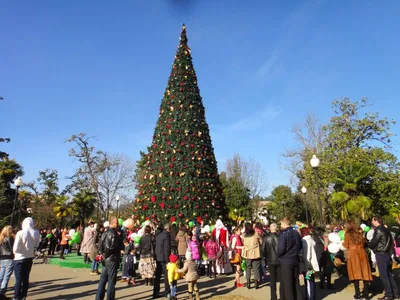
(173, 276)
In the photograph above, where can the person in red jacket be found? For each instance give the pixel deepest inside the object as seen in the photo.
(222, 237)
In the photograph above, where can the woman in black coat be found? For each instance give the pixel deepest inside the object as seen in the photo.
(147, 264)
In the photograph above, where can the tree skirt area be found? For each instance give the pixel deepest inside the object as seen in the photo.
(71, 261)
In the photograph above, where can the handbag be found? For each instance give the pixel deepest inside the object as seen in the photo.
(236, 259)
(337, 262)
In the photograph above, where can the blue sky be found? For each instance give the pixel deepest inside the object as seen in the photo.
(101, 68)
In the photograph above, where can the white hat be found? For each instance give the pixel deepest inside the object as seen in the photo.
(106, 224)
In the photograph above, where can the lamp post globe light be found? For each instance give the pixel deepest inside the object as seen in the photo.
(314, 161)
(304, 191)
(18, 183)
(315, 164)
(117, 198)
(284, 204)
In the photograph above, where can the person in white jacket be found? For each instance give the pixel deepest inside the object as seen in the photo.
(26, 241)
(309, 262)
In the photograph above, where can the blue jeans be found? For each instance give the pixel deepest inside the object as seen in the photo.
(95, 265)
(22, 269)
(6, 269)
(108, 275)
(386, 275)
(172, 286)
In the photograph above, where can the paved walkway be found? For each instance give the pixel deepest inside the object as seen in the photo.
(54, 282)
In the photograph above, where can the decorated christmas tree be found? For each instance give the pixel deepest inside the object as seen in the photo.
(178, 176)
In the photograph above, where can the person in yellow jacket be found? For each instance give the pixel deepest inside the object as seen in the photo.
(173, 276)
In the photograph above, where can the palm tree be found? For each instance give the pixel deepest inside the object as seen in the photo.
(347, 197)
(84, 205)
(9, 170)
(62, 209)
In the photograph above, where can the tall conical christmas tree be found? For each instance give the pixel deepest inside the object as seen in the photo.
(178, 176)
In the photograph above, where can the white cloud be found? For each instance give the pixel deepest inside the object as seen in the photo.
(268, 66)
(296, 22)
(255, 121)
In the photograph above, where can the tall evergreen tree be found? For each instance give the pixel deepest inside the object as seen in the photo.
(9, 170)
(178, 176)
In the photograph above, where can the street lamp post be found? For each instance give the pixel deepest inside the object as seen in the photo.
(304, 191)
(236, 216)
(283, 204)
(315, 164)
(18, 183)
(19, 211)
(117, 198)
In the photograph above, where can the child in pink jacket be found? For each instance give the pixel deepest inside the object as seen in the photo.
(212, 252)
(194, 249)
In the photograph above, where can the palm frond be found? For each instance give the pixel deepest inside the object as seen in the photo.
(339, 197)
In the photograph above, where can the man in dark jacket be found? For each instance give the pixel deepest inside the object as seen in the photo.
(382, 245)
(289, 247)
(271, 258)
(173, 232)
(163, 251)
(110, 248)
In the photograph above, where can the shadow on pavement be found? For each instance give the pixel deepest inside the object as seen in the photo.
(211, 287)
(45, 282)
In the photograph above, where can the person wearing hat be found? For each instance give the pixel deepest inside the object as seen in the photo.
(162, 251)
(173, 276)
(26, 241)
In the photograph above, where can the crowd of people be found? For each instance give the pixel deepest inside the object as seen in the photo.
(152, 251)
(286, 253)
